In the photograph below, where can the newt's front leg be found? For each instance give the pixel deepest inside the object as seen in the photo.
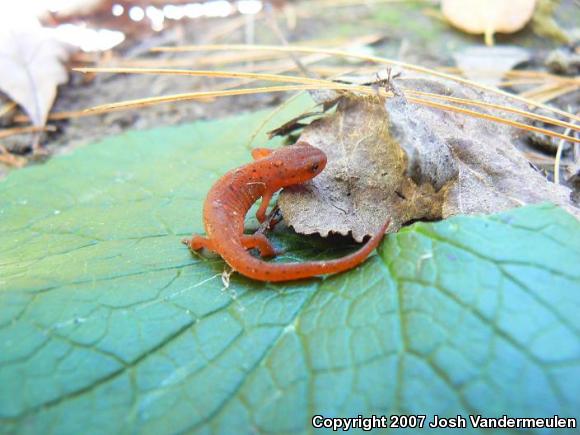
(273, 219)
(198, 242)
(261, 213)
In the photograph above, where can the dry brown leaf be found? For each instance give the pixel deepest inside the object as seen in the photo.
(364, 178)
(393, 158)
(488, 16)
(31, 68)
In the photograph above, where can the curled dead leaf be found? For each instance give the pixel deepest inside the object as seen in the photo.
(411, 162)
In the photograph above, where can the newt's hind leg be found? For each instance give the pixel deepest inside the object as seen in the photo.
(198, 242)
(261, 242)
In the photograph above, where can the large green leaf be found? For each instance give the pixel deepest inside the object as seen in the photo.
(108, 324)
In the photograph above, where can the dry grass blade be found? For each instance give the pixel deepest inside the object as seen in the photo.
(374, 59)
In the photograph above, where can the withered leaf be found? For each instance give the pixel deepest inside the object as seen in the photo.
(392, 158)
(31, 68)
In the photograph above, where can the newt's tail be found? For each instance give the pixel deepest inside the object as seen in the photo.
(275, 272)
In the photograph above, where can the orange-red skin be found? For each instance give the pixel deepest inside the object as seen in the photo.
(230, 198)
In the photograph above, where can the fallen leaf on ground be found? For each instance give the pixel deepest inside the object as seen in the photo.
(31, 68)
(410, 162)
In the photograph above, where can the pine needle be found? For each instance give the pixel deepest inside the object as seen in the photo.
(499, 107)
(319, 82)
(22, 130)
(374, 59)
(334, 86)
(202, 73)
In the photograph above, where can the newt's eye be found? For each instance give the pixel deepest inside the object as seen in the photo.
(314, 167)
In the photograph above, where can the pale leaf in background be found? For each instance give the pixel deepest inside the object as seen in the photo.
(31, 68)
(488, 16)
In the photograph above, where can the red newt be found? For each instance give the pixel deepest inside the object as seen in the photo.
(232, 196)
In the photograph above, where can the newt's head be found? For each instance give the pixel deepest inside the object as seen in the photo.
(298, 163)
